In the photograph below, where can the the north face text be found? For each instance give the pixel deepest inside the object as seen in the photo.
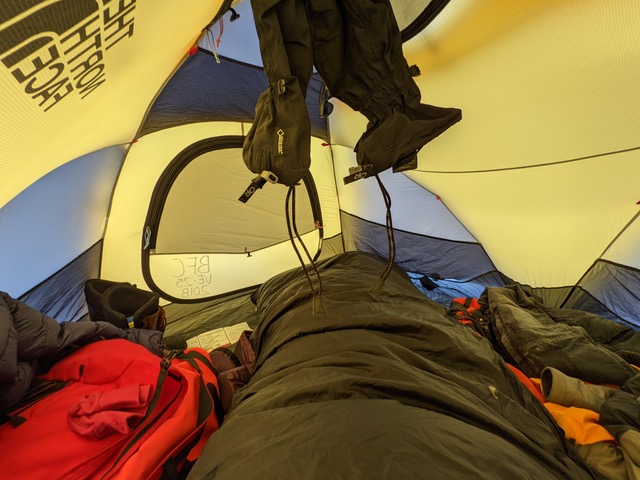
(54, 49)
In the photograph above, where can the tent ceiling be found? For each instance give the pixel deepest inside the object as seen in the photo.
(542, 170)
(238, 39)
(543, 167)
(79, 75)
(561, 87)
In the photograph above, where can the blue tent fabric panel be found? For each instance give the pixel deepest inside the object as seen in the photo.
(614, 286)
(61, 296)
(436, 257)
(202, 90)
(583, 300)
(55, 219)
(444, 291)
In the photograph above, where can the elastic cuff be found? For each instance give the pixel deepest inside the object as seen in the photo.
(392, 92)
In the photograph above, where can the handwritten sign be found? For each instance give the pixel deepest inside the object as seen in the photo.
(192, 275)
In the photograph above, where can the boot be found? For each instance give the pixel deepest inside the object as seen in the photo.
(129, 307)
(93, 290)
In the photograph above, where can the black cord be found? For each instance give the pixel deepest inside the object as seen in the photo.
(290, 204)
(379, 285)
(306, 251)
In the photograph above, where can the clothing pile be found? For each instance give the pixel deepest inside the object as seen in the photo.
(31, 342)
(103, 398)
(582, 367)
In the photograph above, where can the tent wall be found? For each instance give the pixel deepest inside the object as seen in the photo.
(435, 257)
(550, 108)
(549, 246)
(542, 169)
(615, 286)
(144, 164)
(429, 239)
(236, 39)
(61, 296)
(414, 208)
(56, 219)
(203, 90)
(538, 181)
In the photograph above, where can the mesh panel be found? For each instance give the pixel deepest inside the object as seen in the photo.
(202, 212)
(61, 296)
(617, 287)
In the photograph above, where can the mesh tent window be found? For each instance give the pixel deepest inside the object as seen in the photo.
(197, 229)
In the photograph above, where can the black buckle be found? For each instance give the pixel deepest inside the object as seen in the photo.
(257, 183)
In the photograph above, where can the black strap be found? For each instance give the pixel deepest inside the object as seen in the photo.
(170, 466)
(15, 420)
(257, 183)
(208, 402)
(164, 366)
(198, 356)
(170, 469)
(229, 353)
(209, 387)
(39, 390)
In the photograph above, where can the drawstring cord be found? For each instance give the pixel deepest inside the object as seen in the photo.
(379, 285)
(221, 23)
(290, 204)
(212, 43)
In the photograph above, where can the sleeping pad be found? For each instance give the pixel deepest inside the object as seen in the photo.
(378, 388)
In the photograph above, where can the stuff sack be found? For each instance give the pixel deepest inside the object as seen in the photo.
(117, 411)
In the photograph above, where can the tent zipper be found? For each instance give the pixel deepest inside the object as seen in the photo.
(423, 20)
(165, 182)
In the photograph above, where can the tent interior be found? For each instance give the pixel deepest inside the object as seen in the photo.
(122, 127)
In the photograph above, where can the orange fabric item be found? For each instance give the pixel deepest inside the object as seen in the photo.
(533, 387)
(463, 307)
(579, 424)
(537, 382)
(473, 304)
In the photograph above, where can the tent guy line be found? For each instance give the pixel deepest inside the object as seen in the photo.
(523, 167)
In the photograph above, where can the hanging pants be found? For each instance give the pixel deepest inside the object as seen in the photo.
(356, 47)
